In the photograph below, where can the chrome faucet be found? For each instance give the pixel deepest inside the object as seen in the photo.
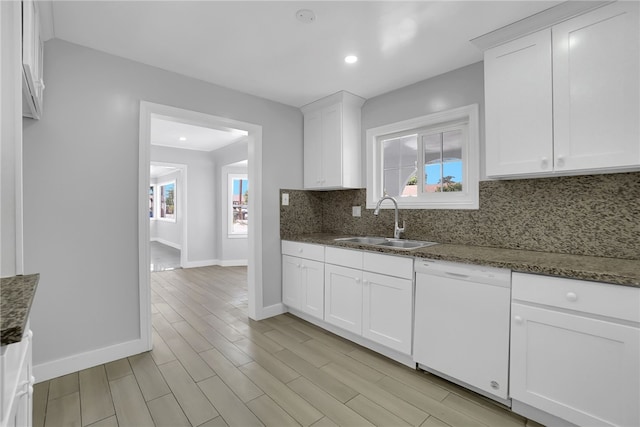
(396, 230)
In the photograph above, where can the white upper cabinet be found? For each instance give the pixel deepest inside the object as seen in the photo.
(332, 147)
(566, 99)
(596, 102)
(32, 61)
(519, 134)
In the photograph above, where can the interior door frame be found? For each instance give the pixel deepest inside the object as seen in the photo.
(149, 110)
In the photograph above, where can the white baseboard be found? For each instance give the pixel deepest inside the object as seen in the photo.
(202, 263)
(166, 242)
(56, 368)
(271, 310)
(232, 262)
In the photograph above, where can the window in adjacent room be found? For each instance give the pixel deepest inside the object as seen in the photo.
(430, 162)
(152, 206)
(167, 195)
(238, 215)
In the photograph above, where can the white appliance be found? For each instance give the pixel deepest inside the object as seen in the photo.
(462, 318)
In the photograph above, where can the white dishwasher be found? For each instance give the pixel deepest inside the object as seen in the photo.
(461, 325)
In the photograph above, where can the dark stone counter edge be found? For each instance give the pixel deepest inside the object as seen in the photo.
(615, 271)
(17, 294)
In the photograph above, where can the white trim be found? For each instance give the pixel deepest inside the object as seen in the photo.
(201, 263)
(545, 19)
(233, 262)
(166, 242)
(254, 282)
(468, 113)
(77, 362)
(273, 310)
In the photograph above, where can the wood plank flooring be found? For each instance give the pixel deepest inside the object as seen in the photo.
(213, 366)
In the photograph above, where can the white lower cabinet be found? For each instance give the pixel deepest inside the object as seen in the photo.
(303, 278)
(387, 310)
(377, 306)
(16, 387)
(575, 350)
(343, 297)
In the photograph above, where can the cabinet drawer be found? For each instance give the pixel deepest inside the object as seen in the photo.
(388, 264)
(303, 250)
(619, 302)
(344, 257)
(12, 363)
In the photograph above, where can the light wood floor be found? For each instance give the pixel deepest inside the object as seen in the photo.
(212, 366)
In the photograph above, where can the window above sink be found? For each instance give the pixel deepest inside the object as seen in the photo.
(429, 162)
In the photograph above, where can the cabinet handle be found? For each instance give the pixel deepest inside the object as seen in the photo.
(518, 320)
(357, 279)
(29, 334)
(300, 250)
(560, 161)
(495, 385)
(572, 296)
(544, 163)
(298, 265)
(303, 266)
(365, 282)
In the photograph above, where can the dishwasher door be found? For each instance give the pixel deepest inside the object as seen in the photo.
(462, 320)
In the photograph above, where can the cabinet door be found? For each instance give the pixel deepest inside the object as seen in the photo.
(580, 369)
(332, 146)
(343, 297)
(387, 311)
(312, 290)
(518, 106)
(291, 281)
(313, 150)
(596, 90)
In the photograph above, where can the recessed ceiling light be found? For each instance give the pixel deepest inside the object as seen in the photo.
(351, 59)
(182, 138)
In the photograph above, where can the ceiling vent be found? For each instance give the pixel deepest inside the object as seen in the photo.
(306, 15)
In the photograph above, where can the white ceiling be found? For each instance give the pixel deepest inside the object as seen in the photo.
(259, 47)
(156, 171)
(168, 133)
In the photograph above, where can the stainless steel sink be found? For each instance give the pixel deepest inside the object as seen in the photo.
(406, 244)
(363, 240)
(388, 243)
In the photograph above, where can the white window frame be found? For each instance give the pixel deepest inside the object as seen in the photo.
(230, 178)
(466, 199)
(158, 200)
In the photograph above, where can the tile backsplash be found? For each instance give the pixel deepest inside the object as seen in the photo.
(595, 215)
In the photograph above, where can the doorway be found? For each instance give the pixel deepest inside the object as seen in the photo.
(150, 111)
(167, 216)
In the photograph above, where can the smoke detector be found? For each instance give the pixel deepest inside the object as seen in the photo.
(306, 16)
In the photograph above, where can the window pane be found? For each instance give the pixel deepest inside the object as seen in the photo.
(452, 160)
(240, 199)
(443, 162)
(399, 165)
(168, 201)
(432, 162)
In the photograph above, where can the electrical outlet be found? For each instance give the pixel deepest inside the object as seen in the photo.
(285, 199)
(356, 211)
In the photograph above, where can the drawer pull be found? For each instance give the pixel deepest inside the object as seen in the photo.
(300, 250)
(571, 296)
(518, 320)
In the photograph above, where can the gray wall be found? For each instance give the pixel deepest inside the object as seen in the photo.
(237, 248)
(201, 232)
(456, 88)
(168, 231)
(81, 229)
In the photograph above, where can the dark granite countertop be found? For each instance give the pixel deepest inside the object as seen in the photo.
(609, 270)
(16, 296)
